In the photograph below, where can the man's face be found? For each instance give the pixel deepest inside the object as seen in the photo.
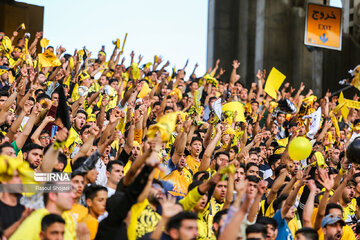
(243, 94)
(200, 206)
(280, 118)
(55, 99)
(156, 194)
(271, 232)
(294, 167)
(263, 152)
(257, 236)
(188, 230)
(252, 187)
(116, 174)
(54, 232)
(64, 200)
(45, 139)
(222, 161)
(80, 120)
(232, 154)
(333, 231)
(239, 174)
(136, 151)
(85, 134)
(34, 157)
(253, 171)
(196, 148)
(10, 119)
(92, 175)
(348, 193)
(78, 184)
(254, 158)
(270, 150)
(182, 162)
(101, 57)
(194, 86)
(97, 205)
(8, 151)
(335, 155)
(220, 191)
(103, 81)
(3, 100)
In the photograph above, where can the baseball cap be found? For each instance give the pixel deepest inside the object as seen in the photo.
(331, 219)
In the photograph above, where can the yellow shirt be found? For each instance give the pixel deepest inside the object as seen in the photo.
(143, 220)
(348, 234)
(192, 164)
(31, 227)
(179, 181)
(73, 135)
(79, 212)
(92, 224)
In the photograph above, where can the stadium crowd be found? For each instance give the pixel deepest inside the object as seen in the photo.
(155, 155)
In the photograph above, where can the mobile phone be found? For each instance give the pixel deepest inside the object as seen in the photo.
(54, 129)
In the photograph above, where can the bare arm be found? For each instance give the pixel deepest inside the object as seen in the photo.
(290, 201)
(309, 206)
(36, 135)
(205, 161)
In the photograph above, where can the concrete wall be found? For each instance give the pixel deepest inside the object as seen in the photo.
(270, 33)
(12, 14)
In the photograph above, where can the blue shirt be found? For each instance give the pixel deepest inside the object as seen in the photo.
(284, 232)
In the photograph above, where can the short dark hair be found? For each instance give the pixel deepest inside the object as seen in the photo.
(256, 228)
(250, 164)
(219, 214)
(267, 221)
(90, 191)
(175, 221)
(308, 233)
(84, 128)
(222, 152)
(31, 146)
(4, 145)
(81, 111)
(196, 139)
(50, 219)
(253, 178)
(62, 159)
(330, 206)
(111, 163)
(4, 94)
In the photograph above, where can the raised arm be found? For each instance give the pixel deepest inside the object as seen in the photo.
(235, 65)
(309, 206)
(36, 135)
(290, 201)
(205, 161)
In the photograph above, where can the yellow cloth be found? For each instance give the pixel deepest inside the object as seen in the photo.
(79, 212)
(73, 135)
(31, 227)
(143, 220)
(180, 182)
(192, 164)
(349, 210)
(127, 166)
(92, 224)
(48, 59)
(68, 168)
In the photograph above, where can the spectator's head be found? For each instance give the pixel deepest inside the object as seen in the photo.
(85, 133)
(221, 159)
(114, 172)
(156, 192)
(7, 149)
(306, 233)
(33, 154)
(55, 98)
(252, 169)
(220, 191)
(78, 184)
(196, 146)
(218, 221)
(59, 201)
(271, 227)
(183, 226)
(44, 138)
(233, 153)
(280, 118)
(52, 227)
(61, 162)
(256, 231)
(349, 192)
(96, 196)
(136, 150)
(91, 173)
(80, 119)
(252, 183)
(240, 173)
(4, 95)
(332, 226)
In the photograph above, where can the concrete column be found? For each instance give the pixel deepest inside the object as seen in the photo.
(259, 35)
(317, 71)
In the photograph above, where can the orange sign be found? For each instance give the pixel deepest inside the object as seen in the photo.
(323, 26)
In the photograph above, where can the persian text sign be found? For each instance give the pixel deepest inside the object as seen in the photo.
(323, 26)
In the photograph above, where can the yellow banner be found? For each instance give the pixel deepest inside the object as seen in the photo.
(352, 104)
(273, 82)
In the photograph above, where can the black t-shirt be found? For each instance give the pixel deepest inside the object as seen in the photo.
(10, 214)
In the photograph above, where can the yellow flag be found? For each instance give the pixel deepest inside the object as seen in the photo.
(235, 107)
(352, 104)
(165, 125)
(273, 82)
(144, 90)
(48, 59)
(344, 109)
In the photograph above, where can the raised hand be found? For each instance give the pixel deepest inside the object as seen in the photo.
(169, 206)
(236, 64)
(94, 130)
(62, 135)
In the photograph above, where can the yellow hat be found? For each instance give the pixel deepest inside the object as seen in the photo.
(280, 150)
(102, 53)
(91, 118)
(176, 92)
(3, 71)
(84, 75)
